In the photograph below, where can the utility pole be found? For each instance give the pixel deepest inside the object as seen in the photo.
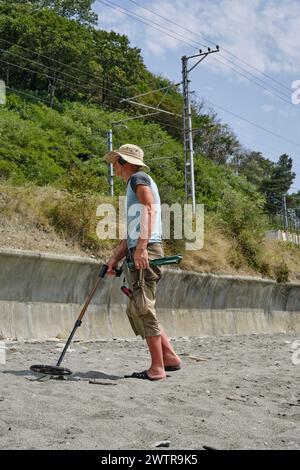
(109, 135)
(110, 165)
(285, 216)
(189, 177)
(2, 92)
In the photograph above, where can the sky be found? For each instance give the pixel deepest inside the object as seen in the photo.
(256, 75)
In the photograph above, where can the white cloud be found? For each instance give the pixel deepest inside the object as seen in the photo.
(268, 108)
(264, 33)
(117, 21)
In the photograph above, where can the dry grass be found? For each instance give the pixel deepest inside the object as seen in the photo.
(283, 256)
(218, 255)
(50, 220)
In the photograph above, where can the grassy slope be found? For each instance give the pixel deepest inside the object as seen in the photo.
(51, 220)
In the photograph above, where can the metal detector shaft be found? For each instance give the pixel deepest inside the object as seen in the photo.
(83, 310)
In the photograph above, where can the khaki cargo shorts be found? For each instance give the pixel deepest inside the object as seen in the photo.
(141, 307)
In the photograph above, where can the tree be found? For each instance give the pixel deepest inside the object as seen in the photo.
(255, 167)
(213, 139)
(122, 65)
(278, 183)
(293, 202)
(26, 31)
(80, 10)
(74, 62)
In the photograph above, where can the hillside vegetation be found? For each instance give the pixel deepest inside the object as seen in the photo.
(65, 80)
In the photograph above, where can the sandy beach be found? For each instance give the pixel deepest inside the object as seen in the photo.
(233, 392)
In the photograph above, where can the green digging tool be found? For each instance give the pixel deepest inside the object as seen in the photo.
(161, 261)
(166, 260)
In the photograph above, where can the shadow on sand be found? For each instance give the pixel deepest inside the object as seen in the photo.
(90, 375)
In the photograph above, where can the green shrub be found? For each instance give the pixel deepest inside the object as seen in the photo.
(282, 273)
(244, 220)
(6, 169)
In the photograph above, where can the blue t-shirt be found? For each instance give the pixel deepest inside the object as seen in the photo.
(133, 209)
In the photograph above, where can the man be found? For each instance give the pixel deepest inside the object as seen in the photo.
(143, 242)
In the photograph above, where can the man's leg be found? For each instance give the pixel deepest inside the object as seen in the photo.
(170, 358)
(157, 369)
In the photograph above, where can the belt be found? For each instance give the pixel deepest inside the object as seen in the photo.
(131, 250)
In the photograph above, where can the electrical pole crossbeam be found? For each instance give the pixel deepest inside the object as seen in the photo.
(189, 177)
(149, 92)
(151, 107)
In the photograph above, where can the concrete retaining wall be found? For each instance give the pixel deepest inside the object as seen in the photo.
(41, 296)
(283, 236)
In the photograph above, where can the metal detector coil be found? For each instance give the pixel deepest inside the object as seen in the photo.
(50, 370)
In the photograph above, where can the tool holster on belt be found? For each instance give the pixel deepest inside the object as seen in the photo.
(126, 271)
(127, 274)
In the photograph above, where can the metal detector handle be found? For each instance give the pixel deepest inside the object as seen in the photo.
(103, 271)
(118, 271)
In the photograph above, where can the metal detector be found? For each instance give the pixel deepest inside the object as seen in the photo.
(57, 371)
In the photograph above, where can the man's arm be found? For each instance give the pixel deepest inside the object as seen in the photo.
(145, 197)
(119, 253)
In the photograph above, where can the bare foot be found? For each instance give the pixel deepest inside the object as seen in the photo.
(171, 361)
(156, 374)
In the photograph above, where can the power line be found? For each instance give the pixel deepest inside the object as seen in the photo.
(152, 91)
(138, 18)
(104, 141)
(109, 93)
(152, 123)
(40, 64)
(261, 86)
(211, 42)
(43, 74)
(110, 106)
(164, 33)
(253, 124)
(26, 94)
(155, 144)
(59, 62)
(103, 88)
(257, 78)
(142, 20)
(163, 158)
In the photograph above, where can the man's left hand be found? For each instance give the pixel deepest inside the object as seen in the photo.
(140, 258)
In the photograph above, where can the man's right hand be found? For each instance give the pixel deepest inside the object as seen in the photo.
(111, 263)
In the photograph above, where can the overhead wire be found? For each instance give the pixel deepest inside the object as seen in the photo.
(179, 37)
(253, 123)
(58, 61)
(210, 42)
(111, 106)
(176, 127)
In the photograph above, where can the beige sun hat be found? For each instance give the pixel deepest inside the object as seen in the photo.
(131, 153)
